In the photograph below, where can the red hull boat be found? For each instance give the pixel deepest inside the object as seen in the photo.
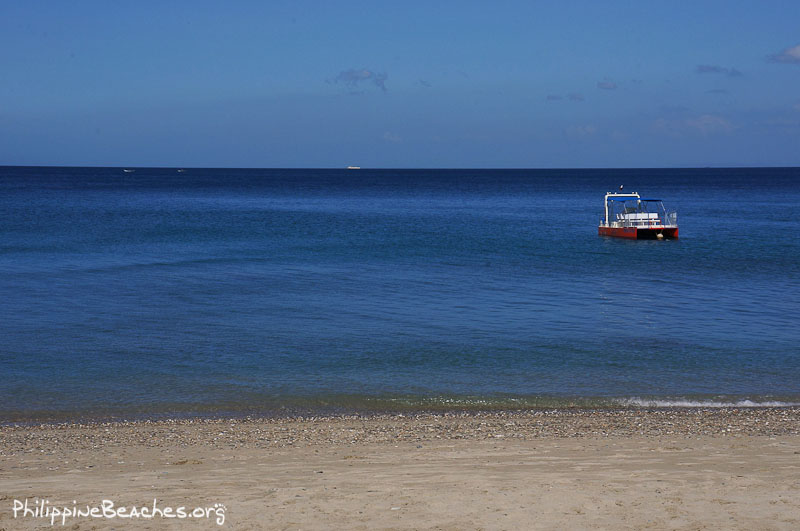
(631, 216)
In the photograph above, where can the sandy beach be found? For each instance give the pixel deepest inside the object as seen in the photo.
(551, 469)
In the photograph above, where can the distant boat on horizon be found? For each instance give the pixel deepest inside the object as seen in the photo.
(127, 170)
(354, 167)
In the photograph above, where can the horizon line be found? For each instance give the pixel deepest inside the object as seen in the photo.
(381, 168)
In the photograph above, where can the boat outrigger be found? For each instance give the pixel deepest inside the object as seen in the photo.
(631, 216)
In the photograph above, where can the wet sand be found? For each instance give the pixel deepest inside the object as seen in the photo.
(555, 469)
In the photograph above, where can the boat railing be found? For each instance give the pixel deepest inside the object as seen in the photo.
(671, 221)
(642, 220)
(672, 218)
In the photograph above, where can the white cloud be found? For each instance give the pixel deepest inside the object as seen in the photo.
(354, 77)
(716, 69)
(788, 56)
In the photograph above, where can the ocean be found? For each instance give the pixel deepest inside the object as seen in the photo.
(160, 293)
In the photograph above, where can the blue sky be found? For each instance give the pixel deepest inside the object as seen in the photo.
(400, 84)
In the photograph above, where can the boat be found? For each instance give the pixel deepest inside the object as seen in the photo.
(354, 167)
(627, 215)
(127, 170)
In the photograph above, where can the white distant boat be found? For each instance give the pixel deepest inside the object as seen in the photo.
(181, 170)
(354, 167)
(126, 170)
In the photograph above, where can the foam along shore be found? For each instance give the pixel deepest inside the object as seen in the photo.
(732, 468)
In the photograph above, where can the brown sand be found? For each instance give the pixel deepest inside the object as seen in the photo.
(608, 469)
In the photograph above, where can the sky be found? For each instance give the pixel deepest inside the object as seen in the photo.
(433, 84)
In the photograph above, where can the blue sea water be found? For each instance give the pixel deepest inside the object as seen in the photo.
(160, 292)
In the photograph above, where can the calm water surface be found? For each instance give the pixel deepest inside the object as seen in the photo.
(158, 292)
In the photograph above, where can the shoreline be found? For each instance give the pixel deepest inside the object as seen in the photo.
(547, 423)
(36, 418)
(627, 468)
